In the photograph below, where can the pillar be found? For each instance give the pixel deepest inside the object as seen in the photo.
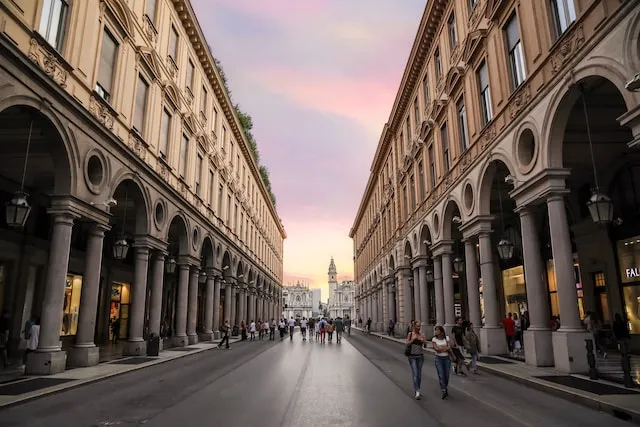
(437, 277)
(405, 312)
(192, 312)
(492, 337)
(416, 294)
(48, 358)
(216, 307)
(234, 306)
(180, 338)
(473, 284)
(381, 300)
(391, 308)
(227, 303)
(135, 344)
(537, 339)
(155, 313)
(84, 352)
(242, 306)
(209, 304)
(448, 293)
(568, 342)
(424, 299)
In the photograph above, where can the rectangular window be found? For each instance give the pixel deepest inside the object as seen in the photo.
(141, 104)
(416, 113)
(211, 188)
(438, 64)
(220, 196)
(229, 211)
(473, 4)
(462, 126)
(408, 130)
(198, 174)
(421, 181)
(107, 63)
(453, 35)
(405, 204)
(235, 218)
(53, 22)
(215, 119)
(485, 93)
(445, 148)
(190, 75)
(516, 55)
(150, 10)
(412, 189)
(184, 148)
(165, 129)
(203, 100)
(425, 90)
(173, 44)
(224, 138)
(564, 13)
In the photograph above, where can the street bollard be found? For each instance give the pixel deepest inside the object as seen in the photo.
(591, 360)
(625, 361)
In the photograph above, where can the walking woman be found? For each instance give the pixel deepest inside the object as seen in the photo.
(472, 344)
(415, 354)
(442, 347)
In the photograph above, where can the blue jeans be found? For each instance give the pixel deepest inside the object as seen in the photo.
(416, 371)
(443, 367)
(474, 362)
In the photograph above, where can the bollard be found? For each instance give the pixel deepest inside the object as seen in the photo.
(625, 361)
(591, 360)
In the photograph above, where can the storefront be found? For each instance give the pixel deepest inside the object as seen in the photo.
(629, 266)
(119, 309)
(71, 305)
(553, 288)
(515, 291)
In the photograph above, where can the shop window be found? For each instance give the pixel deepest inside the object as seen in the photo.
(71, 305)
(629, 267)
(553, 289)
(602, 299)
(119, 310)
(515, 292)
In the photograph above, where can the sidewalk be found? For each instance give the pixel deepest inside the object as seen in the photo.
(601, 395)
(23, 388)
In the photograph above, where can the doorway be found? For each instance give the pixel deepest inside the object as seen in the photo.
(119, 310)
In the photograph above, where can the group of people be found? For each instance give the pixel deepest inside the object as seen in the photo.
(261, 327)
(322, 328)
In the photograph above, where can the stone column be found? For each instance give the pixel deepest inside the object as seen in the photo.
(437, 277)
(473, 284)
(424, 299)
(234, 308)
(537, 339)
(391, 308)
(216, 307)
(155, 313)
(568, 341)
(227, 302)
(448, 293)
(242, 306)
(135, 344)
(405, 312)
(381, 306)
(48, 358)
(209, 305)
(84, 352)
(416, 294)
(192, 312)
(180, 338)
(492, 337)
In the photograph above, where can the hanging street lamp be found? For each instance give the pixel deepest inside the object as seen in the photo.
(458, 265)
(170, 265)
(202, 278)
(17, 209)
(120, 249)
(429, 275)
(505, 249)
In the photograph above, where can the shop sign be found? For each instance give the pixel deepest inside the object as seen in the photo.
(629, 259)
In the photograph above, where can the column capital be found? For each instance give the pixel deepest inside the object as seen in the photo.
(188, 260)
(149, 242)
(537, 188)
(476, 225)
(160, 254)
(213, 272)
(98, 229)
(79, 208)
(524, 210)
(421, 261)
(62, 216)
(442, 247)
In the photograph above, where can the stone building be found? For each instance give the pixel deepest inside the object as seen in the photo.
(298, 300)
(129, 187)
(505, 179)
(341, 295)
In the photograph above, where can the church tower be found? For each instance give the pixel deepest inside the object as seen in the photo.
(333, 278)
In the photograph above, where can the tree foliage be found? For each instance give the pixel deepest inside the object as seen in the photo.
(247, 125)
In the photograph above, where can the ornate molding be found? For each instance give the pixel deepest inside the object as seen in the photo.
(137, 145)
(567, 48)
(172, 68)
(519, 101)
(149, 29)
(101, 111)
(50, 64)
(488, 135)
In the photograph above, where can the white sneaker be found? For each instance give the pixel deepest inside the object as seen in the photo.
(418, 395)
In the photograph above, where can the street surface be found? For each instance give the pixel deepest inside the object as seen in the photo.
(365, 381)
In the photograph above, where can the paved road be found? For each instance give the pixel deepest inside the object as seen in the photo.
(296, 383)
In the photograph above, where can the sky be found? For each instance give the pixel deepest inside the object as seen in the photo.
(319, 78)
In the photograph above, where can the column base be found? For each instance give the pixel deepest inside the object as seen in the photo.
(193, 339)
(493, 341)
(134, 348)
(81, 357)
(569, 351)
(538, 348)
(180, 341)
(206, 336)
(48, 363)
(216, 335)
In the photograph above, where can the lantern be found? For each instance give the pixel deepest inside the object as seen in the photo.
(505, 249)
(120, 249)
(17, 210)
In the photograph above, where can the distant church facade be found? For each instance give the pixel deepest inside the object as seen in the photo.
(298, 300)
(341, 295)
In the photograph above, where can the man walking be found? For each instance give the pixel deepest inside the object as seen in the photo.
(303, 328)
(225, 334)
(339, 325)
(292, 326)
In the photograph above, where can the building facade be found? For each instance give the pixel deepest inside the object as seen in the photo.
(504, 179)
(298, 300)
(316, 299)
(143, 198)
(341, 295)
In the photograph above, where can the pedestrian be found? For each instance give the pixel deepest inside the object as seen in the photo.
(243, 331)
(472, 344)
(442, 347)
(517, 339)
(347, 325)
(457, 346)
(510, 331)
(330, 328)
(292, 326)
(115, 330)
(390, 328)
(369, 321)
(312, 328)
(317, 330)
(339, 325)
(323, 330)
(225, 329)
(272, 330)
(265, 329)
(281, 328)
(32, 341)
(252, 331)
(620, 331)
(415, 354)
(303, 328)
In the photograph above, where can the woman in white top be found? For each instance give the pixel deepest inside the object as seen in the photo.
(442, 346)
(252, 330)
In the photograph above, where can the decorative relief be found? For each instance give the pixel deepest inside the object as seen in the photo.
(519, 101)
(164, 171)
(172, 68)
(149, 29)
(440, 84)
(104, 115)
(475, 15)
(567, 48)
(182, 188)
(188, 96)
(48, 62)
(138, 146)
(455, 55)
(465, 160)
(489, 135)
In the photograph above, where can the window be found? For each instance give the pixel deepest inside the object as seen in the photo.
(421, 181)
(229, 211)
(215, 119)
(184, 148)
(203, 100)
(53, 22)
(106, 65)
(408, 130)
(416, 113)
(564, 13)
(198, 174)
(211, 188)
(438, 64)
(401, 141)
(412, 189)
(405, 206)
(445, 148)
(453, 35)
(220, 196)
(224, 138)
(462, 126)
(150, 10)
(141, 104)
(425, 89)
(473, 4)
(516, 56)
(485, 94)
(237, 167)
(190, 75)
(235, 218)
(173, 44)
